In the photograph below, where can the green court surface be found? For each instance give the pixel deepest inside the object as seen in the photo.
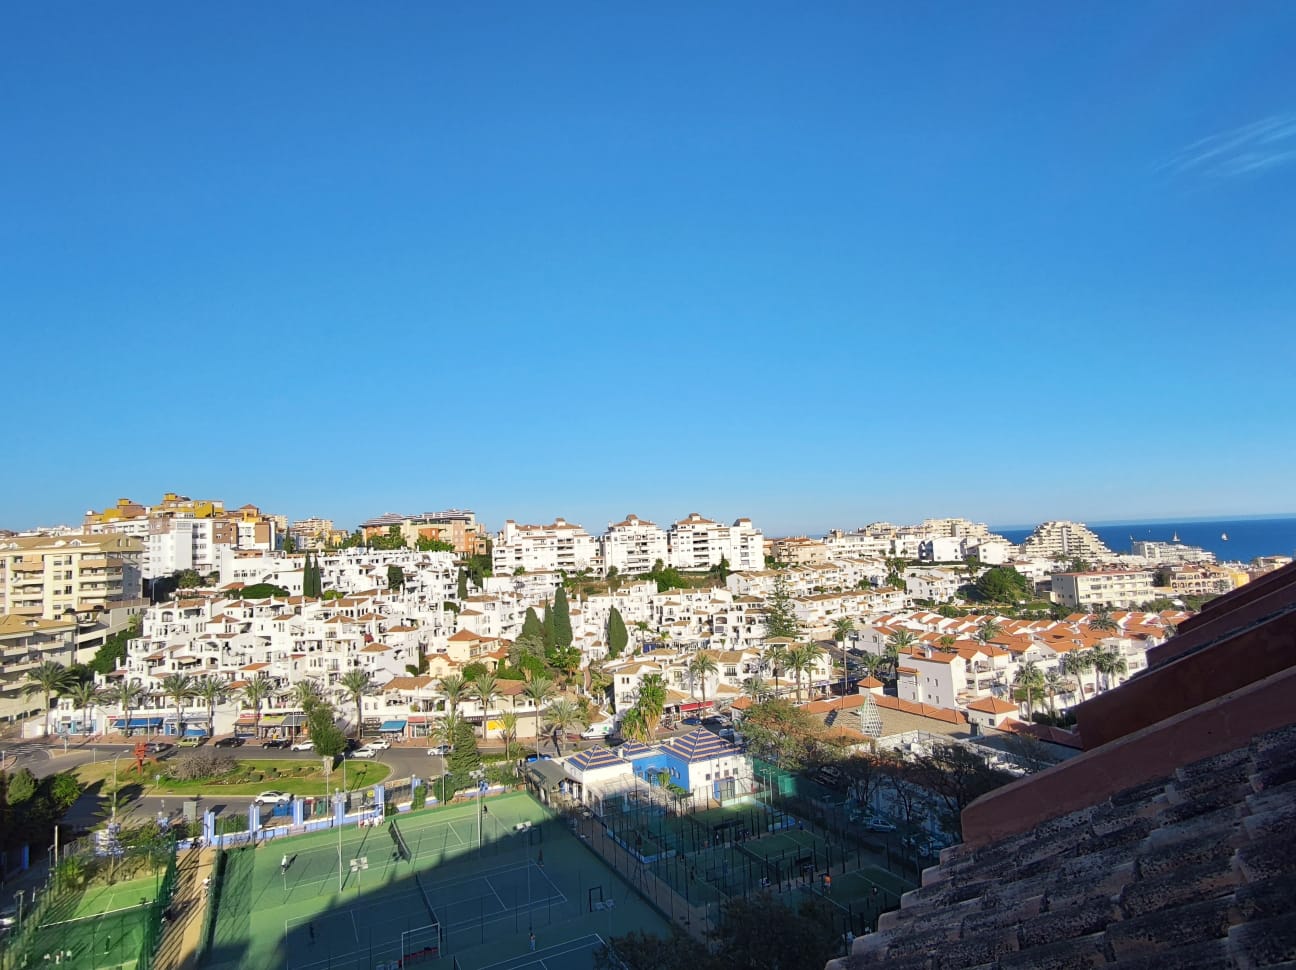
(450, 901)
(102, 927)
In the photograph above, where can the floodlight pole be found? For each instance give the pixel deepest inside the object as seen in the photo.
(336, 806)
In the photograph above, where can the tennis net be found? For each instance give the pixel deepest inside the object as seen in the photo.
(402, 847)
(427, 900)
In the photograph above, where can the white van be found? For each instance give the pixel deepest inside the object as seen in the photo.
(596, 731)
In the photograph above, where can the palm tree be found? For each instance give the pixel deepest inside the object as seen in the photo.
(84, 695)
(254, 692)
(842, 629)
(642, 626)
(1109, 663)
(1054, 684)
(901, 641)
(634, 726)
(756, 688)
(455, 689)
(307, 695)
(561, 717)
(49, 678)
(354, 684)
(178, 688)
(126, 696)
(987, 630)
(508, 731)
(1030, 681)
(946, 640)
(485, 688)
(1077, 663)
(1103, 621)
(700, 668)
(539, 691)
(802, 659)
(776, 658)
(652, 701)
(211, 691)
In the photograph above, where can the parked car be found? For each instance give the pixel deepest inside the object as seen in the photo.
(365, 752)
(275, 743)
(157, 747)
(192, 742)
(307, 745)
(230, 742)
(378, 744)
(273, 798)
(878, 824)
(441, 749)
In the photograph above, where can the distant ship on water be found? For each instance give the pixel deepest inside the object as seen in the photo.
(1224, 536)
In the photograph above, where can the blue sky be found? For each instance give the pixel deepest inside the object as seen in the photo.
(814, 266)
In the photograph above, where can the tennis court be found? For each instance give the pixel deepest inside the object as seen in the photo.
(101, 927)
(425, 891)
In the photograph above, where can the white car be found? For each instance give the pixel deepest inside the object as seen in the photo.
(877, 824)
(307, 745)
(441, 749)
(273, 798)
(365, 752)
(378, 744)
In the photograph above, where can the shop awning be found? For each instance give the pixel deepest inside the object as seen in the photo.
(392, 726)
(272, 720)
(246, 719)
(195, 732)
(138, 722)
(695, 705)
(294, 720)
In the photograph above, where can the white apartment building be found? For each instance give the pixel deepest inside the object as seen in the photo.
(1106, 587)
(543, 548)
(698, 543)
(938, 585)
(859, 544)
(633, 546)
(933, 677)
(1064, 540)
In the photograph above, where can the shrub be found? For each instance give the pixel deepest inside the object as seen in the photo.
(202, 764)
(418, 798)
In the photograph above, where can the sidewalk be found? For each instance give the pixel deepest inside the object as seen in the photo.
(179, 947)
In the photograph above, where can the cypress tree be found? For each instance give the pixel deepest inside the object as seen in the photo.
(531, 625)
(617, 636)
(550, 638)
(464, 758)
(463, 585)
(562, 620)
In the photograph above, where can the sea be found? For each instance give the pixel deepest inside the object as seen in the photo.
(1246, 538)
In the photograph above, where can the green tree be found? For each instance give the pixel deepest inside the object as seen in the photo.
(802, 659)
(254, 692)
(1029, 683)
(1109, 663)
(781, 732)
(780, 613)
(21, 787)
(48, 679)
(1103, 621)
(898, 644)
(454, 687)
(84, 695)
(485, 688)
(760, 932)
(651, 703)
(178, 688)
(986, 631)
(617, 635)
(324, 732)
(289, 543)
(461, 585)
(425, 544)
(355, 684)
(958, 775)
(843, 627)
(1003, 584)
(113, 651)
(702, 666)
(532, 627)
(776, 659)
(464, 758)
(539, 691)
(125, 696)
(648, 951)
(561, 620)
(188, 579)
(1077, 663)
(756, 688)
(561, 718)
(211, 691)
(391, 540)
(508, 731)
(307, 695)
(395, 578)
(263, 591)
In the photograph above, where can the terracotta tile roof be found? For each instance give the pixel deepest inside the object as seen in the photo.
(992, 705)
(1196, 869)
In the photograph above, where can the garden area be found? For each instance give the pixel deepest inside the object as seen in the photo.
(208, 771)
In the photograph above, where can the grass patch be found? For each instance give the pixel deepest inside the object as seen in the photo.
(249, 777)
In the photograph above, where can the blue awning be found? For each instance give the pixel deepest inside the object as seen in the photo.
(392, 726)
(139, 722)
(195, 732)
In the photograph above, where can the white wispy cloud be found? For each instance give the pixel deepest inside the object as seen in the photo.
(1248, 150)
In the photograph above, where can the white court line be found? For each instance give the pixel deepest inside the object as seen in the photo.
(494, 891)
(355, 926)
(571, 946)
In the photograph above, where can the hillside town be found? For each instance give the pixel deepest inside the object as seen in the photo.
(885, 619)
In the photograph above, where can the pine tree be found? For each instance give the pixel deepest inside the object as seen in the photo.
(463, 585)
(780, 615)
(617, 637)
(550, 637)
(464, 758)
(562, 620)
